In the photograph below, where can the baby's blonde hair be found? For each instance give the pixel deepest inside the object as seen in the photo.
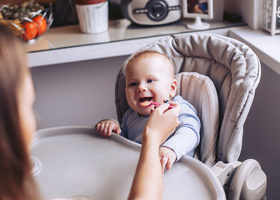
(143, 53)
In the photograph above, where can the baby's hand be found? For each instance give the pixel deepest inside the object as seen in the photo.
(167, 157)
(106, 127)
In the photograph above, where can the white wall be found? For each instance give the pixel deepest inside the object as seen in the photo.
(80, 93)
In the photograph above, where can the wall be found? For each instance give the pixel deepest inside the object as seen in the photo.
(78, 93)
(250, 10)
(261, 131)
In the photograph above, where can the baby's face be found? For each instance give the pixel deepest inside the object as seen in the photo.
(149, 79)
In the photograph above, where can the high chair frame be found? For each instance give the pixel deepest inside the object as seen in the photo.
(234, 71)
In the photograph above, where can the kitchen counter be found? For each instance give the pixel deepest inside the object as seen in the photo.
(69, 44)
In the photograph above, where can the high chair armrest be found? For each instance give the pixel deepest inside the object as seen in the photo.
(224, 172)
(244, 180)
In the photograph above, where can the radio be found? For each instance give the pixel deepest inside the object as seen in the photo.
(151, 12)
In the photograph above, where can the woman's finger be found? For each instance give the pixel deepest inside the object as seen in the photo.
(162, 107)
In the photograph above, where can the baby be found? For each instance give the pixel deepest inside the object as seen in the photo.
(149, 77)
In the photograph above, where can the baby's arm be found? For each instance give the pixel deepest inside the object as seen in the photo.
(167, 157)
(183, 142)
(106, 127)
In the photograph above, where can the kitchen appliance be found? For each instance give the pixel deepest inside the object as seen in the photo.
(151, 12)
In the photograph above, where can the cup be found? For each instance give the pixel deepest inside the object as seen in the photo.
(92, 15)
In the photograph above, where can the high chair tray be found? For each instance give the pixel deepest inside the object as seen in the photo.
(72, 161)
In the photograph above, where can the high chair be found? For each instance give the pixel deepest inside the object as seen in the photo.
(218, 76)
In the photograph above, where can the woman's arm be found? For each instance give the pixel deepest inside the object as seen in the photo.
(148, 179)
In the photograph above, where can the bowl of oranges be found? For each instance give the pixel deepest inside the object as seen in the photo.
(28, 20)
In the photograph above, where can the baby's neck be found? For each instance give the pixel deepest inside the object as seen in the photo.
(140, 115)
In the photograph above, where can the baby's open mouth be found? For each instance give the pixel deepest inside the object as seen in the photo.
(145, 101)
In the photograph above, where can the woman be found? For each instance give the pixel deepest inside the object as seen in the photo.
(17, 124)
(17, 121)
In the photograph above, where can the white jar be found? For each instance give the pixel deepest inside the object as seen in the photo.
(93, 18)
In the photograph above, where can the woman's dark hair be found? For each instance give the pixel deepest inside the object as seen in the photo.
(16, 181)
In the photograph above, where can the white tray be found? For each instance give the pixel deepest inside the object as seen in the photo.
(71, 161)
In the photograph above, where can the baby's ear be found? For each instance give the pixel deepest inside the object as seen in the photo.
(173, 88)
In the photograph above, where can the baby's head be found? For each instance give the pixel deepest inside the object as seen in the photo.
(149, 77)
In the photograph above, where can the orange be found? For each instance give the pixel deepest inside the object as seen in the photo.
(30, 31)
(42, 24)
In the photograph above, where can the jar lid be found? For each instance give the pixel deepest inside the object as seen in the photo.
(88, 2)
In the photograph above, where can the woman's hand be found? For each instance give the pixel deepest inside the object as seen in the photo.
(161, 123)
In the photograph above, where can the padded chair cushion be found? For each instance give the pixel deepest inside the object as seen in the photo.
(200, 91)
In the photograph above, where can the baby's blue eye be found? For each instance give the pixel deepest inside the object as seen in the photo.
(150, 81)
